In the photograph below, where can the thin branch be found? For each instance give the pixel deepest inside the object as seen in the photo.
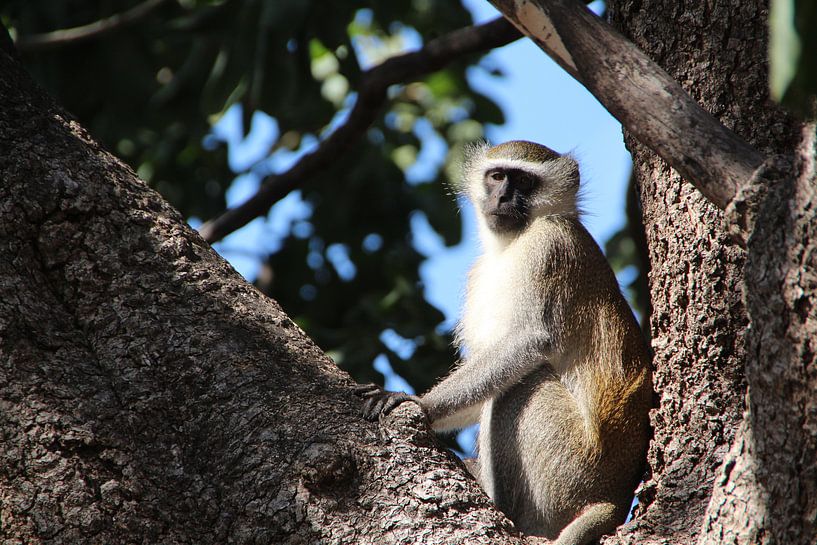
(640, 94)
(371, 96)
(57, 38)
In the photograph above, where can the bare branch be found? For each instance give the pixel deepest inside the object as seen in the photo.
(640, 94)
(371, 96)
(57, 38)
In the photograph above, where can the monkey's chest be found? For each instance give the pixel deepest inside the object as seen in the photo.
(497, 302)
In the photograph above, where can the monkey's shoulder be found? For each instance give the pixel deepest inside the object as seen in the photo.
(559, 246)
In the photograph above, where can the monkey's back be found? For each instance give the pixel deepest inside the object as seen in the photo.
(574, 431)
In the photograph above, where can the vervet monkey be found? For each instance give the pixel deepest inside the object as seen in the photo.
(555, 368)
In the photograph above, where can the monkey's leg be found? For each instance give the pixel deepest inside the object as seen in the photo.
(595, 520)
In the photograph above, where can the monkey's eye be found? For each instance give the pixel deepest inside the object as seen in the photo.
(497, 176)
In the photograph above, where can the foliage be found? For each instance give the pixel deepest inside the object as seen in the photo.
(792, 46)
(627, 251)
(151, 92)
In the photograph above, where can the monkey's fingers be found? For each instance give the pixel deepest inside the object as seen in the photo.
(366, 390)
(381, 403)
(386, 403)
(373, 406)
(390, 403)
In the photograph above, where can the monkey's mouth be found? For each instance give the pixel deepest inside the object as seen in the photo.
(502, 219)
(507, 210)
(506, 213)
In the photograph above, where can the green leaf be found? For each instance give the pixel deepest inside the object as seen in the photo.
(792, 51)
(784, 47)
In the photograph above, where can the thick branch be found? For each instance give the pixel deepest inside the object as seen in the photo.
(148, 394)
(371, 96)
(640, 94)
(57, 38)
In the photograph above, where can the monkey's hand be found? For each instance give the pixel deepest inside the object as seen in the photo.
(379, 402)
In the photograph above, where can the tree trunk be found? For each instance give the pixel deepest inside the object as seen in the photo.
(148, 394)
(727, 466)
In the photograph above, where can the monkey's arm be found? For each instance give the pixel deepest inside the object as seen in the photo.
(487, 373)
(459, 419)
(480, 377)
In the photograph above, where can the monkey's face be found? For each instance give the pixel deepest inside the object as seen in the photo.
(506, 206)
(513, 184)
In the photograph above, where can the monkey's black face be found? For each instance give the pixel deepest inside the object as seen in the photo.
(506, 204)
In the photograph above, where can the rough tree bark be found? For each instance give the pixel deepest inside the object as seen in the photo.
(148, 394)
(729, 465)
